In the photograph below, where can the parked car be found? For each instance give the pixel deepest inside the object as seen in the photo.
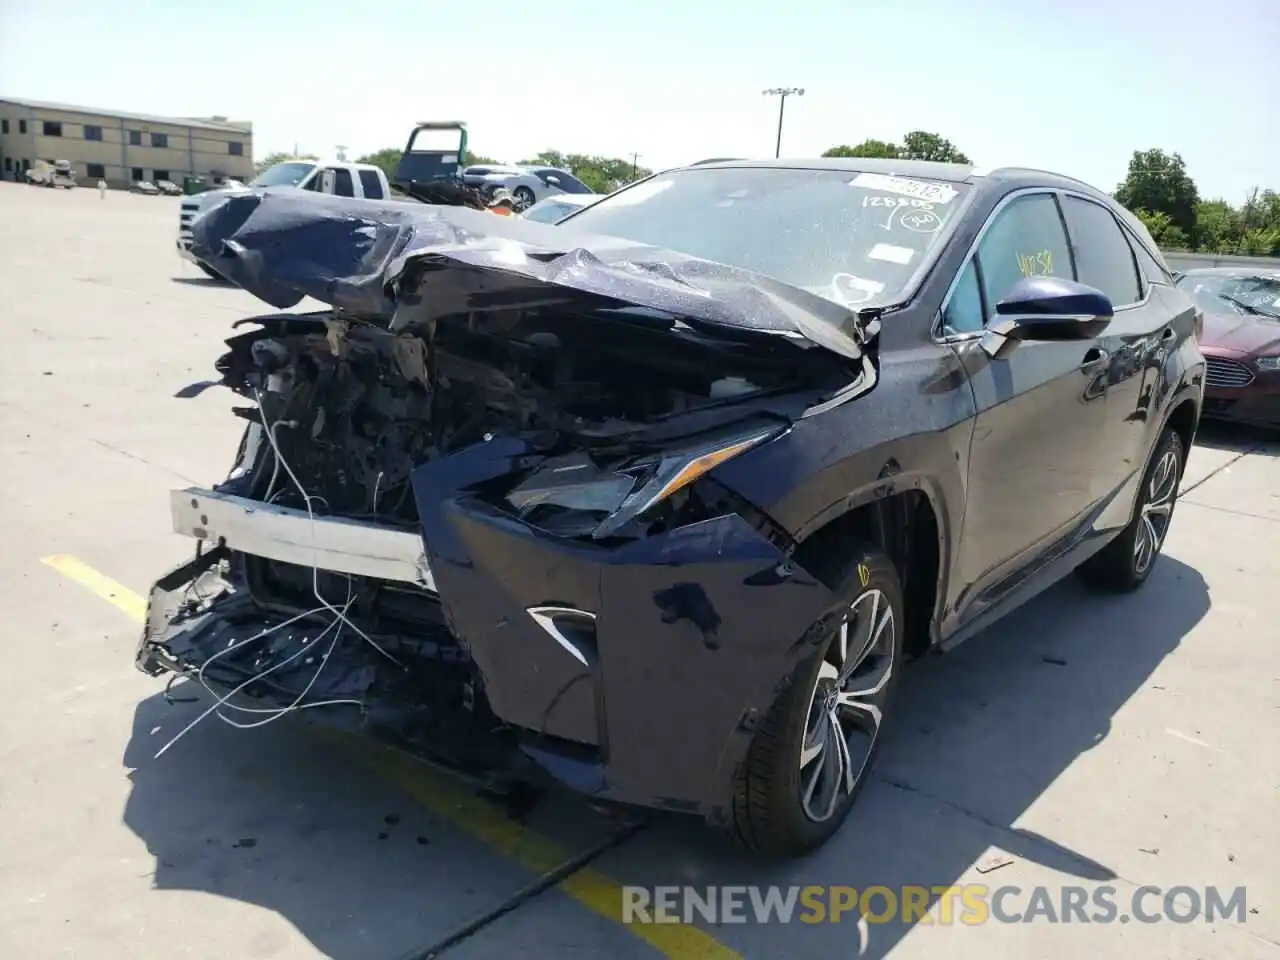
(169, 188)
(528, 184)
(554, 209)
(145, 187)
(1241, 341)
(658, 506)
(55, 173)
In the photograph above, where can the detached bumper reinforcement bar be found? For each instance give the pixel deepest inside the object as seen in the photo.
(292, 536)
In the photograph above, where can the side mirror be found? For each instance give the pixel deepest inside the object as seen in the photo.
(555, 180)
(1047, 309)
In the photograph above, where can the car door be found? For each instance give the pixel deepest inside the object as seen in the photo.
(1040, 408)
(1136, 341)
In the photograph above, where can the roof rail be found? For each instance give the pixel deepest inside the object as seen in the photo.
(716, 160)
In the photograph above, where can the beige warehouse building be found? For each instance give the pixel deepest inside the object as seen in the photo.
(121, 148)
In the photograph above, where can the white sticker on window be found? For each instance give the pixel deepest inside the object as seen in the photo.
(930, 191)
(887, 251)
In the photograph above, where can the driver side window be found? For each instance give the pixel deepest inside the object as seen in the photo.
(1026, 239)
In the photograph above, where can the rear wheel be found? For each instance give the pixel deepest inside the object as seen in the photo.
(1126, 562)
(816, 746)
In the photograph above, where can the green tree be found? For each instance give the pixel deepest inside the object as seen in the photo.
(1158, 182)
(549, 158)
(386, 159)
(271, 159)
(922, 145)
(1218, 227)
(916, 145)
(867, 148)
(1167, 234)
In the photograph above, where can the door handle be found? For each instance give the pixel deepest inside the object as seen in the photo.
(1093, 359)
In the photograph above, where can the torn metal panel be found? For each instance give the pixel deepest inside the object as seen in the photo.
(409, 265)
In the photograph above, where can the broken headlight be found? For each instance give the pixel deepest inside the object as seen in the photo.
(573, 496)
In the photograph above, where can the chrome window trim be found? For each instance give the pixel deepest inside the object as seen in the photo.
(936, 329)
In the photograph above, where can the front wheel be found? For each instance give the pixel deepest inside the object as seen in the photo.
(1126, 562)
(523, 197)
(816, 746)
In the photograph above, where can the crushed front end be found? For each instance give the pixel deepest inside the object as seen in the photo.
(494, 536)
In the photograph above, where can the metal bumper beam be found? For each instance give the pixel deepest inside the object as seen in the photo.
(293, 536)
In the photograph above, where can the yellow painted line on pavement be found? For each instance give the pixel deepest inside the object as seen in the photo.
(116, 594)
(590, 888)
(473, 815)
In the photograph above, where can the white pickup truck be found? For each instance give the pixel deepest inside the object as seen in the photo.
(337, 177)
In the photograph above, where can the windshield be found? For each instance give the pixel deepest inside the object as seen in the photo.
(855, 238)
(287, 174)
(1239, 294)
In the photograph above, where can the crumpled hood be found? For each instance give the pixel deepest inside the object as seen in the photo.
(1244, 334)
(407, 265)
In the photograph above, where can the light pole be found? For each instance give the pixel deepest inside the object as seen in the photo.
(782, 93)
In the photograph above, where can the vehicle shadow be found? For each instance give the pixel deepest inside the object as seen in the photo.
(978, 736)
(200, 281)
(284, 819)
(1238, 438)
(289, 818)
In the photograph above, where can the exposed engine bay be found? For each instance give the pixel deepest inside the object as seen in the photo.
(354, 409)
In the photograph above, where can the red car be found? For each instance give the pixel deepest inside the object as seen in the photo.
(1241, 341)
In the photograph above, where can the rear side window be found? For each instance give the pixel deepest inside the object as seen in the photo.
(1104, 259)
(1026, 239)
(371, 185)
(342, 185)
(1147, 264)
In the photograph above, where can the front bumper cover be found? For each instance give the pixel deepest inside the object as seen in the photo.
(636, 673)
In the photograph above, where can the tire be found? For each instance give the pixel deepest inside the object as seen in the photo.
(524, 197)
(1126, 562)
(790, 797)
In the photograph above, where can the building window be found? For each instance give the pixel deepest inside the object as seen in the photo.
(4, 126)
(8, 164)
(235, 148)
(160, 174)
(160, 140)
(22, 126)
(26, 164)
(92, 132)
(137, 174)
(95, 171)
(135, 138)
(52, 128)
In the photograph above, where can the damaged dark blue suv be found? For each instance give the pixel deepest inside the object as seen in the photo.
(655, 502)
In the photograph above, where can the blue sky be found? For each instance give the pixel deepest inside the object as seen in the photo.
(1073, 87)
